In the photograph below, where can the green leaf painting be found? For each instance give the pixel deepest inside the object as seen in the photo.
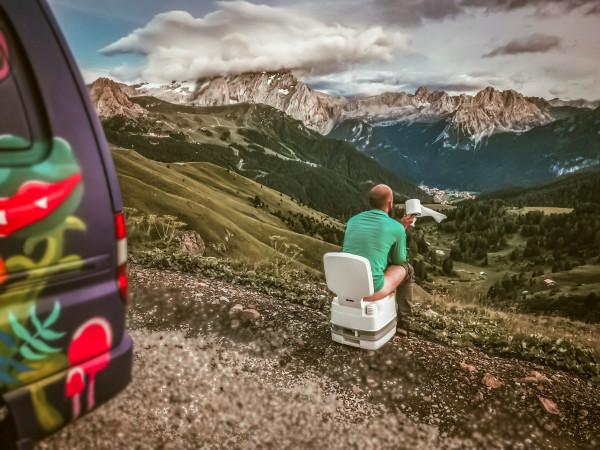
(28, 344)
(34, 346)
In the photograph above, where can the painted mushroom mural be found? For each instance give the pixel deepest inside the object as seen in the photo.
(75, 385)
(91, 343)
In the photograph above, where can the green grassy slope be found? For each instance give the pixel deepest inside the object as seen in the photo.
(216, 202)
(260, 143)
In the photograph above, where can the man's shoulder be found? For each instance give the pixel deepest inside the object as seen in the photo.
(358, 216)
(395, 226)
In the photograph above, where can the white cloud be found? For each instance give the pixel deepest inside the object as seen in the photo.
(242, 36)
(122, 73)
(373, 82)
(90, 74)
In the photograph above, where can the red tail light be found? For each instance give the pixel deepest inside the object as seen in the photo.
(121, 234)
(122, 281)
(120, 228)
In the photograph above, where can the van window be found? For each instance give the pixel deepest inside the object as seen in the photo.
(14, 128)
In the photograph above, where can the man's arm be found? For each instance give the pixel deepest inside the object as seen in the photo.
(398, 251)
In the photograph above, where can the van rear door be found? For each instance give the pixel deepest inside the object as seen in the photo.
(59, 299)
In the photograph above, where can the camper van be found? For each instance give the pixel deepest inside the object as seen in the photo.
(63, 252)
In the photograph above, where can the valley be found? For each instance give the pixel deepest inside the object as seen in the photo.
(256, 141)
(430, 153)
(488, 141)
(268, 195)
(247, 177)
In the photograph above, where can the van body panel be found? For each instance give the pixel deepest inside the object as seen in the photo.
(22, 404)
(62, 319)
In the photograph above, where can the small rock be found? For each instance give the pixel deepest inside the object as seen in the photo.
(371, 382)
(491, 381)
(356, 390)
(535, 377)
(236, 310)
(190, 242)
(430, 314)
(401, 332)
(549, 405)
(235, 324)
(250, 314)
(224, 299)
(468, 367)
(478, 397)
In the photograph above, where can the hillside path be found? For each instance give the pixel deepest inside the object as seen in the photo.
(211, 375)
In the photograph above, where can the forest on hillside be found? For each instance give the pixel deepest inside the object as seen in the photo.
(550, 244)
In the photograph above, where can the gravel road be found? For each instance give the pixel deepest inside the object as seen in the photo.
(265, 374)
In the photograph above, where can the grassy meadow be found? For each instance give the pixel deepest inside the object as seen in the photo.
(219, 205)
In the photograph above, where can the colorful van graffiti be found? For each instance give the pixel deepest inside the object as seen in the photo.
(63, 345)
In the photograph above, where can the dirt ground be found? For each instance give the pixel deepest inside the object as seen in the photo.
(265, 374)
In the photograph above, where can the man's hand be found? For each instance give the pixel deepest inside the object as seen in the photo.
(408, 220)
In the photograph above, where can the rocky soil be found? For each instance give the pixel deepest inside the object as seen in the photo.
(222, 366)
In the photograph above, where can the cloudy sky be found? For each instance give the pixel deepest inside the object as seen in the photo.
(545, 48)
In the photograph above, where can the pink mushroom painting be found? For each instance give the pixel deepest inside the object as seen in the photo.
(89, 348)
(74, 388)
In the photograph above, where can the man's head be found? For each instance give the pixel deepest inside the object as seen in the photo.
(381, 197)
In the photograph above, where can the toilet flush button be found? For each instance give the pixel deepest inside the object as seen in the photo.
(371, 309)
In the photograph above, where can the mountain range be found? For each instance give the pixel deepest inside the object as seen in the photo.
(482, 142)
(254, 140)
(485, 113)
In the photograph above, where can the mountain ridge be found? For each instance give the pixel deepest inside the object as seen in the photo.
(471, 116)
(259, 142)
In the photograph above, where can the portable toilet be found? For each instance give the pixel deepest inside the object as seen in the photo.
(356, 322)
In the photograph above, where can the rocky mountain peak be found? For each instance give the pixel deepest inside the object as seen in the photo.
(422, 92)
(281, 90)
(492, 110)
(111, 98)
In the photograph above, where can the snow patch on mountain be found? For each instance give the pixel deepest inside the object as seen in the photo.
(573, 165)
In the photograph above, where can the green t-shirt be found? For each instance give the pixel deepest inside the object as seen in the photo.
(379, 238)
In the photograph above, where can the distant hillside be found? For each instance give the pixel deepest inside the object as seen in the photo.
(568, 191)
(261, 143)
(223, 207)
(427, 152)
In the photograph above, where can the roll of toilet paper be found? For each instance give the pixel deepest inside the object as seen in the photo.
(413, 206)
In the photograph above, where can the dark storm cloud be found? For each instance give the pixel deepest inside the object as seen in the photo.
(536, 43)
(508, 5)
(455, 87)
(595, 9)
(434, 85)
(332, 87)
(413, 12)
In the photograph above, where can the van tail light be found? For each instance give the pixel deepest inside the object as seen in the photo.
(121, 234)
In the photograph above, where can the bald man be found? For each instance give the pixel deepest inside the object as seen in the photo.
(374, 235)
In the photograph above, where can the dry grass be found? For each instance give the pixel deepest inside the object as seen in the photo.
(218, 204)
